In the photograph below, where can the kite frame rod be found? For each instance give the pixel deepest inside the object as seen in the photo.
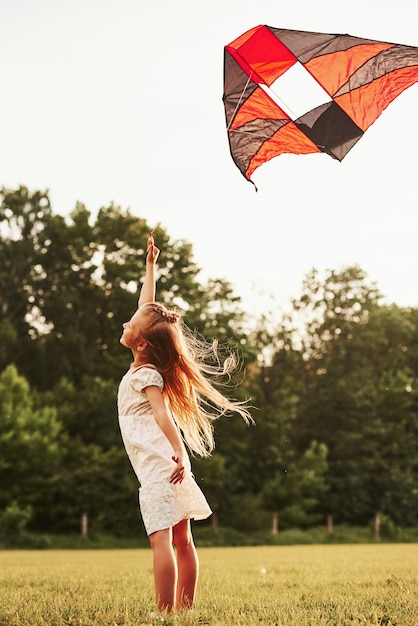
(239, 101)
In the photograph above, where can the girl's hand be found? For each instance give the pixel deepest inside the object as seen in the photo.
(152, 250)
(177, 474)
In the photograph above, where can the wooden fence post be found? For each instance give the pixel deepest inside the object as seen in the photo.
(214, 523)
(84, 525)
(275, 524)
(377, 522)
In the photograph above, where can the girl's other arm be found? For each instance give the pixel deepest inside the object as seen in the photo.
(165, 422)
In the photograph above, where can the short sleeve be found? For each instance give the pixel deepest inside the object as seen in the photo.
(146, 377)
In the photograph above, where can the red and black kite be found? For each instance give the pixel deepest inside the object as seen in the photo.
(290, 91)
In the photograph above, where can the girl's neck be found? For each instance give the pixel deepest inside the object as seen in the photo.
(138, 361)
(138, 364)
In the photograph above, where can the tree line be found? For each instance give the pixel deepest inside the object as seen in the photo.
(333, 382)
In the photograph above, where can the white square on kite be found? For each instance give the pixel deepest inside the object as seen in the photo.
(296, 92)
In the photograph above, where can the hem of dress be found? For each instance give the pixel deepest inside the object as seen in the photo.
(197, 517)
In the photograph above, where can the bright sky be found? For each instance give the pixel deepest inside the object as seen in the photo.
(121, 100)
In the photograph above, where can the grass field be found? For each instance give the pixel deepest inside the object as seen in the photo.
(341, 585)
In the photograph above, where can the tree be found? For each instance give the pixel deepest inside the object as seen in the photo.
(23, 242)
(95, 482)
(355, 394)
(295, 490)
(30, 441)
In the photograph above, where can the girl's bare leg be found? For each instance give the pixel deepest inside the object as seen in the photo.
(188, 565)
(165, 569)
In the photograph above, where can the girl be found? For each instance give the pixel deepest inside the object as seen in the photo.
(164, 398)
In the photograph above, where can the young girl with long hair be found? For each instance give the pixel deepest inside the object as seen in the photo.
(166, 400)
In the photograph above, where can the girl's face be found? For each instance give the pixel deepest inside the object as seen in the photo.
(130, 335)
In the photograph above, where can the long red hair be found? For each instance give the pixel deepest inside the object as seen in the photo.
(182, 360)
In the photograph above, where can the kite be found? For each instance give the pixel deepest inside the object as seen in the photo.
(291, 91)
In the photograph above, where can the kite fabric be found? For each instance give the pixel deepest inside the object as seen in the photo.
(291, 91)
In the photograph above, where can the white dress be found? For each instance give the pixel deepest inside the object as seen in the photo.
(162, 504)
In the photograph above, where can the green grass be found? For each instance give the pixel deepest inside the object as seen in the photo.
(315, 585)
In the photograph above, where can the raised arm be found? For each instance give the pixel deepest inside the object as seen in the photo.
(147, 293)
